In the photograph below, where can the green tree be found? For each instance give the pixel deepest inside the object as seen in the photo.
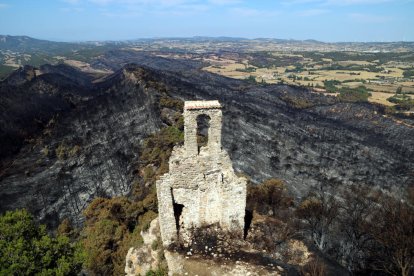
(358, 94)
(330, 85)
(251, 79)
(408, 73)
(27, 249)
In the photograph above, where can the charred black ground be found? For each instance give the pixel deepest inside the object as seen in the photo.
(67, 138)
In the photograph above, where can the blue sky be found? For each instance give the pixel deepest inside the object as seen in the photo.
(325, 20)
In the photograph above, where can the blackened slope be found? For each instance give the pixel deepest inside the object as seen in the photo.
(29, 101)
(115, 60)
(71, 73)
(301, 137)
(20, 76)
(269, 131)
(90, 152)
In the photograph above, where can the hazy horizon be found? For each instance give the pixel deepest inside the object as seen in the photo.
(199, 36)
(110, 20)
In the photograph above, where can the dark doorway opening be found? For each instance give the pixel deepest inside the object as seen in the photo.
(248, 217)
(203, 125)
(178, 210)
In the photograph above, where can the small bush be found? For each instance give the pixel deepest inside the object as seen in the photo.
(75, 150)
(251, 79)
(269, 197)
(175, 104)
(156, 244)
(330, 85)
(403, 101)
(161, 271)
(61, 151)
(359, 94)
(408, 73)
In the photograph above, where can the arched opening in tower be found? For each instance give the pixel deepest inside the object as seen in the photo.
(203, 125)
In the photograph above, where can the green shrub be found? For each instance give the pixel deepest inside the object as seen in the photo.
(403, 101)
(113, 225)
(359, 94)
(27, 249)
(251, 79)
(157, 151)
(172, 103)
(330, 85)
(408, 73)
(161, 271)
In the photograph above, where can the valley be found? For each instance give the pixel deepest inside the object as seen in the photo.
(85, 135)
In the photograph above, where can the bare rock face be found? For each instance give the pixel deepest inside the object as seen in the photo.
(201, 187)
(147, 257)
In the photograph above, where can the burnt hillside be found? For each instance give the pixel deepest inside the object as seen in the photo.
(67, 138)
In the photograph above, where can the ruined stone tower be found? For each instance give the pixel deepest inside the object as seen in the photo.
(201, 187)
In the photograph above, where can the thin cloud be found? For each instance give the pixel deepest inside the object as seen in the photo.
(3, 6)
(182, 10)
(312, 12)
(252, 12)
(157, 2)
(224, 2)
(72, 2)
(72, 9)
(338, 2)
(131, 10)
(142, 2)
(356, 2)
(369, 18)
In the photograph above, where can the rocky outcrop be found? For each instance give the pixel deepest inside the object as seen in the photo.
(148, 256)
(212, 252)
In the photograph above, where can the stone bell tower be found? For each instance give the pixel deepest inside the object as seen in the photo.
(194, 109)
(201, 187)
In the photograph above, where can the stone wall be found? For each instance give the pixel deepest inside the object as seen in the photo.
(201, 187)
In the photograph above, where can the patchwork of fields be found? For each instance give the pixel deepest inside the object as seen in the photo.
(381, 77)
